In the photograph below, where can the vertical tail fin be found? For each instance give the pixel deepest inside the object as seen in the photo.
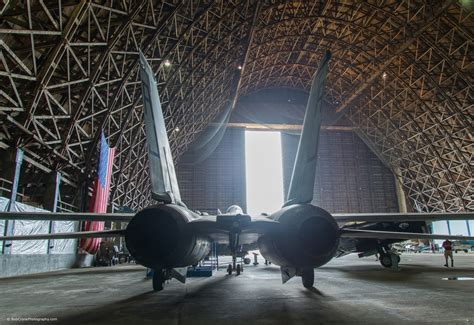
(304, 170)
(163, 176)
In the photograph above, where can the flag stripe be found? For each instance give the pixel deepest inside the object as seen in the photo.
(100, 195)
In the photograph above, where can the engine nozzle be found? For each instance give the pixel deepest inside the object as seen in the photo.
(161, 236)
(307, 236)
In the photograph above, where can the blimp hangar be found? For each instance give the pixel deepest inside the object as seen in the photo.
(394, 137)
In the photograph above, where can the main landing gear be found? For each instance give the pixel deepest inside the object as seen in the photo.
(388, 258)
(160, 276)
(307, 277)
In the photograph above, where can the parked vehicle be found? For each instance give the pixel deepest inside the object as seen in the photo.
(463, 245)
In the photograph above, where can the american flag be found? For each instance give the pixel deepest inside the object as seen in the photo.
(100, 195)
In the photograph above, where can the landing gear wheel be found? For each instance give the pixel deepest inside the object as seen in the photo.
(398, 258)
(307, 276)
(229, 269)
(386, 260)
(239, 269)
(247, 261)
(158, 280)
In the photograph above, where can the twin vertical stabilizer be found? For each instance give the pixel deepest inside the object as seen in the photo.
(163, 176)
(304, 170)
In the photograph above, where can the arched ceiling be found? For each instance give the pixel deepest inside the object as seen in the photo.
(402, 72)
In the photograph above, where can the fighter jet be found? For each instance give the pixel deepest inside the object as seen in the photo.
(168, 237)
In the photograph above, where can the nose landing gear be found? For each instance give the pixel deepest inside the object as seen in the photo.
(238, 268)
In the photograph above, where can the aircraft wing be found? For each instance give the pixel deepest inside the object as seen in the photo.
(67, 235)
(215, 227)
(401, 217)
(376, 234)
(67, 216)
(348, 232)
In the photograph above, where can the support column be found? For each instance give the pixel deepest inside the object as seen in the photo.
(402, 203)
(50, 201)
(12, 169)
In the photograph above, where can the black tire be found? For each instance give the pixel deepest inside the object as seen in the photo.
(247, 261)
(239, 269)
(307, 277)
(465, 250)
(229, 269)
(157, 280)
(386, 260)
(398, 258)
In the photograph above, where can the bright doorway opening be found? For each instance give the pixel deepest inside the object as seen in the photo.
(264, 172)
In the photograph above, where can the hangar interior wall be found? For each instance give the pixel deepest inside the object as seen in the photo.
(217, 182)
(349, 176)
(25, 253)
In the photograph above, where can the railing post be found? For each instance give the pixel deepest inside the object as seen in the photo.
(50, 201)
(12, 170)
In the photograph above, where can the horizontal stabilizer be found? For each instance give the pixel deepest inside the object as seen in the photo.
(67, 216)
(68, 235)
(179, 273)
(401, 217)
(361, 233)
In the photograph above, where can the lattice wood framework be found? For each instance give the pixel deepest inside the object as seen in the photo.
(69, 70)
(402, 71)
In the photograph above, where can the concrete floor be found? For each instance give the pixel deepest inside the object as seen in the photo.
(348, 290)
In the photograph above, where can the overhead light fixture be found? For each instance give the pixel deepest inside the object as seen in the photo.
(176, 129)
(239, 67)
(384, 75)
(167, 63)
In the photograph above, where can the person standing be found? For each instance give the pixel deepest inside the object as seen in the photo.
(448, 252)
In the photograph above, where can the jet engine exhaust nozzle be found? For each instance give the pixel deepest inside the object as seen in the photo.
(161, 236)
(308, 236)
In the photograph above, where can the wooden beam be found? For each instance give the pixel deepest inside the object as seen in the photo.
(283, 127)
(397, 50)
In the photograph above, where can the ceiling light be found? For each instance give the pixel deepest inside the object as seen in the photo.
(167, 63)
